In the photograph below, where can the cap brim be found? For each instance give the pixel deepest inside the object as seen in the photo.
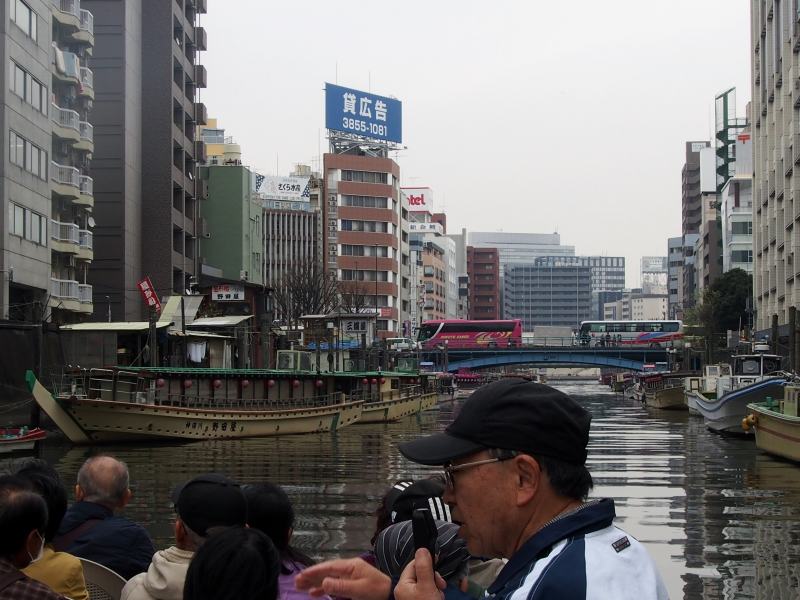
(438, 449)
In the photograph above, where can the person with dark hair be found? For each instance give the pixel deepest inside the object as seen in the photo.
(515, 465)
(394, 549)
(269, 510)
(91, 530)
(234, 564)
(23, 522)
(59, 570)
(204, 505)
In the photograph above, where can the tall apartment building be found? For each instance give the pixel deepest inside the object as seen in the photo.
(147, 190)
(691, 217)
(483, 271)
(736, 207)
(362, 239)
(47, 193)
(550, 294)
(675, 277)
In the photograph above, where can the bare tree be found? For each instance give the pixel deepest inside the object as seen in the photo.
(307, 289)
(354, 297)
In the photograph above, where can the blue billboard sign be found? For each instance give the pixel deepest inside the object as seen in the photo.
(361, 113)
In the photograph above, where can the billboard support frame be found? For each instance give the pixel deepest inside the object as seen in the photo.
(343, 143)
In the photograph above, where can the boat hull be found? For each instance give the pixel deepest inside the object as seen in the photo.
(776, 433)
(725, 414)
(387, 411)
(669, 398)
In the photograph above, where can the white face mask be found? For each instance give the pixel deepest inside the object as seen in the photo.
(41, 550)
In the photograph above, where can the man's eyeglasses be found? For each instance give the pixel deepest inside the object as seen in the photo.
(449, 481)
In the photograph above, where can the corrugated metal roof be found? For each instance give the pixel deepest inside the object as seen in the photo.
(220, 321)
(114, 326)
(172, 309)
(200, 334)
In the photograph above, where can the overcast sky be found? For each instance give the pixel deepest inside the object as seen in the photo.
(522, 116)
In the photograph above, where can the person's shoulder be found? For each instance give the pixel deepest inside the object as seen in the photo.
(134, 588)
(30, 588)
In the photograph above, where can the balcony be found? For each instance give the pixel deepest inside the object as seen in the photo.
(200, 76)
(86, 141)
(66, 180)
(200, 38)
(85, 297)
(65, 237)
(85, 245)
(87, 83)
(86, 197)
(67, 12)
(200, 113)
(66, 123)
(85, 31)
(65, 294)
(66, 66)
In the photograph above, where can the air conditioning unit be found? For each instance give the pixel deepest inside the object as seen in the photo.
(243, 275)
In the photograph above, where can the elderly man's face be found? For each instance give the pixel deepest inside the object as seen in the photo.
(482, 499)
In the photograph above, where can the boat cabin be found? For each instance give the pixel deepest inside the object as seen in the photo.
(756, 365)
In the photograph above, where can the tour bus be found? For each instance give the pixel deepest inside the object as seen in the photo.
(462, 333)
(627, 334)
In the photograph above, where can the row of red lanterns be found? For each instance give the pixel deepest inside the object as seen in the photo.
(217, 383)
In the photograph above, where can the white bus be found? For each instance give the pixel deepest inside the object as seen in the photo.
(627, 334)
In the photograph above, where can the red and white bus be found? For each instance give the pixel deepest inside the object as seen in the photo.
(652, 334)
(461, 333)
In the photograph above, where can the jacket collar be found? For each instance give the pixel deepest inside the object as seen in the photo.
(591, 517)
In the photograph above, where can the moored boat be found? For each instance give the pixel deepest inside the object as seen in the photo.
(705, 385)
(777, 424)
(660, 391)
(17, 439)
(750, 382)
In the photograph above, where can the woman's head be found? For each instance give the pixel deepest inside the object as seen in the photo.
(45, 481)
(236, 563)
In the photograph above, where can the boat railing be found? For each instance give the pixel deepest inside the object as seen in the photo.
(255, 404)
(368, 396)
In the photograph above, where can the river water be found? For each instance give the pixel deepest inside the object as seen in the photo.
(720, 518)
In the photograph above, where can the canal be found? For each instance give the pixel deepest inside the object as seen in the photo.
(721, 519)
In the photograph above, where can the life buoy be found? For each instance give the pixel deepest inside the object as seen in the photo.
(749, 422)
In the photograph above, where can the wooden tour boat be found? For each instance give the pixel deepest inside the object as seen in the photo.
(776, 422)
(660, 391)
(117, 404)
(17, 439)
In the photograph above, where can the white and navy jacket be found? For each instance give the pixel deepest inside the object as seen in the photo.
(581, 556)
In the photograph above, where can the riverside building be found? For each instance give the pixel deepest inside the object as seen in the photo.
(47, 190)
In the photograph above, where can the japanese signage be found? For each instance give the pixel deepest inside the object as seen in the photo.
(285, 189)
(149, 294)
(278, 205)
(227, 293)
(361, 113)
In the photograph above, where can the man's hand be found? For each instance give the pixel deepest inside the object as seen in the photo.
(419, 581)
(348, 578)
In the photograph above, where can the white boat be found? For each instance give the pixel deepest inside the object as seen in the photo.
(705, 384)
(754, 378)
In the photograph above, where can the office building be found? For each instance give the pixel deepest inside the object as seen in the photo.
(146, 188)
(483, 272)
(691, 218)
(638, 306)
(362, 216)
(47, 191)
(654, 274)
(736, 199)
(547, 293)
(675, 277)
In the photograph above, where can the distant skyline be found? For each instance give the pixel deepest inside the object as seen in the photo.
(522, 117)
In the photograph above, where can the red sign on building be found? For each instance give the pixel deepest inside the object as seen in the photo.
(149, 294)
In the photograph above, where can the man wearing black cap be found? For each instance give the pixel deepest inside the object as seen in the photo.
(514, 462)
(203, 505)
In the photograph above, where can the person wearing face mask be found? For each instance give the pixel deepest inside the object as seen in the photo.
(23, 519)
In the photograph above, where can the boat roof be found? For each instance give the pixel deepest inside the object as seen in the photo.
(757, 355)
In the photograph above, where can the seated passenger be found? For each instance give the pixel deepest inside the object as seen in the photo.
(60, 571)
(91, 530)
(204, 505)
(234, 564)
(270, 511)
(23, 521)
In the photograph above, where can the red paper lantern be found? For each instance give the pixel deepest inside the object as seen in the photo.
(365, 381)
(296, 383)
(160, 383)
(245, 383)
(383, 379)
(217, 384)
(271, 383)
(374, 381)
(187, 383)
(319, 383)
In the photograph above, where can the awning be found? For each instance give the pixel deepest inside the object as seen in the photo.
(231, 321)
(114, 326)
(172, 309)
(200, 334)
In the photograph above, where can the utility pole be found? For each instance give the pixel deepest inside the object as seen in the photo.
(153, 341)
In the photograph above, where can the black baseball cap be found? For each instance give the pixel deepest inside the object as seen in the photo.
(510, 414)
(210, 500)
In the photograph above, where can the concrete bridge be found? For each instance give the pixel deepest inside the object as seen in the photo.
(632, 359)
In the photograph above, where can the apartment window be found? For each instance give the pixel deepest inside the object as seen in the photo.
(364, 176)
(742, 228)
(369, 226)
(353, 250)
(364, 201)
(26, 155)
(27, 224)
(24, 18)
(27, 87)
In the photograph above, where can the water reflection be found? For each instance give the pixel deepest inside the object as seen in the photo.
(721, 519)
